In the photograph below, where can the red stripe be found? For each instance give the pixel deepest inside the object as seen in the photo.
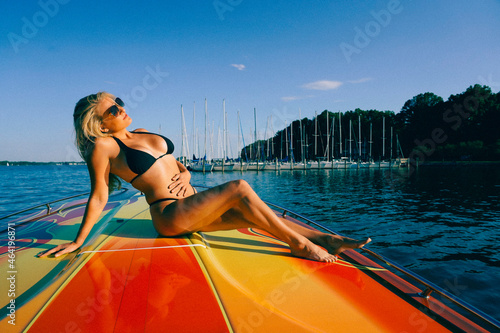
(144, 290)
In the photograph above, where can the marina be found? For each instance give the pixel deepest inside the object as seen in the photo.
(227, 151)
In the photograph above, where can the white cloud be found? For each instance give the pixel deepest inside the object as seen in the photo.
(365, 79)
(239, 67)
(322, 85)
(294, 98)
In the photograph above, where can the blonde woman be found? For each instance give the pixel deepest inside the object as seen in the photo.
(145, 160)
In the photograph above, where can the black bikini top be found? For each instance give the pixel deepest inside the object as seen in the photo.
(139, 161)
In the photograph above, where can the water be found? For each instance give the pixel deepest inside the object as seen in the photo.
(440, 222)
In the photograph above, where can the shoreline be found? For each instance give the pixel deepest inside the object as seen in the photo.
(423, 164)
(21, 163)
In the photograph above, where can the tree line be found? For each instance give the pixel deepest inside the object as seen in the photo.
(427, 128)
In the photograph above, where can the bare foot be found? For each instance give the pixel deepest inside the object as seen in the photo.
(335, 244)
(312, 252)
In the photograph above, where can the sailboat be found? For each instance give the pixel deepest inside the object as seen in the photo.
(222, 164)
(256, 165)
(240, 165)
(184, 141)
(382, 163)
(302, 165)
(270, 165)
(319, 163)
(201, 165)
(360, 163)
(289, 149)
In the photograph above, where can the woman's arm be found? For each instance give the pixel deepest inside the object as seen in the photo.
(99, 167)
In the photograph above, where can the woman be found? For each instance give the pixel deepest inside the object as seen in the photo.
(144, 159)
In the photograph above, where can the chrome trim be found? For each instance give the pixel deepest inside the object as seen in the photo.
(48, 205)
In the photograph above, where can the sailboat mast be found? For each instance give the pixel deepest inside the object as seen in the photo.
(316, 135)
(224, 129)
(267, 139)
(383, 137)
(333, 137)
(327, 139)
(301, 138)
(224, 135)
(340, 133)
(350, 139)
(359, 134)
(273, 135)
(206, 124)
(391, 144)
(286, 139)
(194, 131)
(371, 141)
(182, 134)
(255, 123)
(291, 143)
(239, 150)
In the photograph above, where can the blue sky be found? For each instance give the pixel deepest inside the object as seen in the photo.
(276, 56)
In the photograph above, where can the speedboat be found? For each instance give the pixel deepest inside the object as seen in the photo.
(127, 278)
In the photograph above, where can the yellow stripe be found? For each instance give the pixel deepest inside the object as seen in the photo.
(58, 291)
(74, 272)
(209, 280)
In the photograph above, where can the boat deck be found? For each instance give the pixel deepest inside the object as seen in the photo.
(126, 278)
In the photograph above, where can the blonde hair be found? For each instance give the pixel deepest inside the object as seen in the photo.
(88, 127)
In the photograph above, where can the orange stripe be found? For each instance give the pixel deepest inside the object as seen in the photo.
(179, 297)
(142, 290)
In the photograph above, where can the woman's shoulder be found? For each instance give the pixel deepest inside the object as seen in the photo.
(103, 141)
(104, 145)
(143, 130)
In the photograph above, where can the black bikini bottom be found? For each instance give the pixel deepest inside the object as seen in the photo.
(167, 199)
(161, 200)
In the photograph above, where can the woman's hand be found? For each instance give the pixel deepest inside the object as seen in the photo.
(60, 250)
(180, 183)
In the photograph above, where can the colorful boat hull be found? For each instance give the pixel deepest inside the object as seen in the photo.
(127, 278)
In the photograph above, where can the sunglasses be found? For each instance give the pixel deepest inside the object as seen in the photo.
(114, 110)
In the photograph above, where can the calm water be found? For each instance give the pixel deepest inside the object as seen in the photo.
(440, 222)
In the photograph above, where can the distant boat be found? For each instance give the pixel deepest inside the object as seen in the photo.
(223, 166)
(201, 167)
(255, 166)
(240, 166)
(272, 165)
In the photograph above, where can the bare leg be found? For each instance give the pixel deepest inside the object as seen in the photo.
(203, 211)
(235, 205)
(334, 244)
